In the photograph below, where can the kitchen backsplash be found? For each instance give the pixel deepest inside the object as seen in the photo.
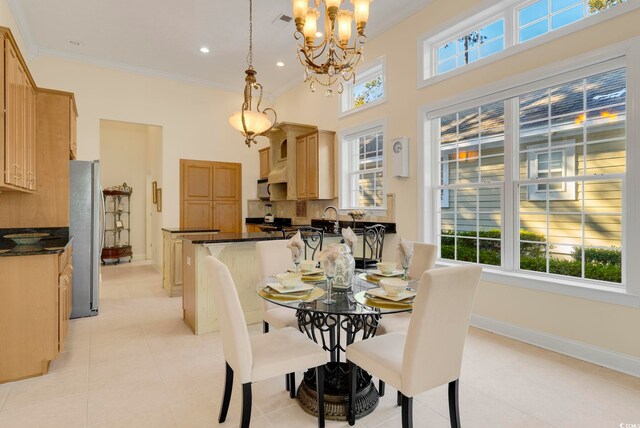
(313, 209)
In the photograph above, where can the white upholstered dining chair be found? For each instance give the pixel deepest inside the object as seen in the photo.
(430, 353)
(424, 258)
(274, 257)
(255, 358)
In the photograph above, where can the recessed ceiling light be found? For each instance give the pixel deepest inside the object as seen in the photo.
(280, 64)
(204, 49)
(319, 34)
(75, 42)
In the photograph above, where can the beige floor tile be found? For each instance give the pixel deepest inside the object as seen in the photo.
(68, 411)
(422, 416)
(42, 389)
(4, 392)
(122, 373)
(119, 351)
(74, 357)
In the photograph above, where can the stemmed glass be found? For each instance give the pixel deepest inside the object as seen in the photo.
(405, 262)
(296, 262)
(330, 273)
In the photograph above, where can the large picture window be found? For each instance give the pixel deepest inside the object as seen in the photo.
(569, 145)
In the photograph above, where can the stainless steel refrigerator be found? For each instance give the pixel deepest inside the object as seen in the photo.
(86, 223)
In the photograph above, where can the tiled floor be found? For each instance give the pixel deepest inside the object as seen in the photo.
(138, 365)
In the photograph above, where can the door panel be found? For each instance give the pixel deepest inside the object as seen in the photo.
(227, 181)
(301, 168)
(11, 167)
(227, 216)
(197, 214)
(197, 180)
(312, 166)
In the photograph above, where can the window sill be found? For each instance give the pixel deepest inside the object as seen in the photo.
(557, 286)
(424, 82)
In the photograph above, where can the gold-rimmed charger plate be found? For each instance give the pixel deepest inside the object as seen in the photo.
(305, 297)
(380, 303)
(374, 279)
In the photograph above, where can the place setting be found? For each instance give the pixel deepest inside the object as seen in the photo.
(289, 287)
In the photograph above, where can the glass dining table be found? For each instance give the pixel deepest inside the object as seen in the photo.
(354, 316)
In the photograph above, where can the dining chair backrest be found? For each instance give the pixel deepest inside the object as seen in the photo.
(372, 242)
(424, 258)
(438, 328)
(312, 237)
(273, 257)
(233, 327)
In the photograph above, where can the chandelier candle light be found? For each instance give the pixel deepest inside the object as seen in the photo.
(252, 123)
(333, 60)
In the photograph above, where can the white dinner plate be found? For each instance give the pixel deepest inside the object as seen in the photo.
(276, 286)
(377, 272)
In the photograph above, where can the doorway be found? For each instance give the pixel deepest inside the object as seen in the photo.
(132, 153)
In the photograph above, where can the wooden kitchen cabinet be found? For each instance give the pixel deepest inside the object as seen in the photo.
(18, 127)
(315, 165)
(265, 167)
(211, 195)
(35, 305)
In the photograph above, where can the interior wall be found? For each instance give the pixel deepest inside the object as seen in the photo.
(600, 324)
(154, 173)
(123, 158)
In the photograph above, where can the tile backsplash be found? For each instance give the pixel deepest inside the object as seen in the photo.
(301, 212)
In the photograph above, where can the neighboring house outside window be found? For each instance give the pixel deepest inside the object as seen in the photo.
(368, 89)
(362, 181)
(566, 195)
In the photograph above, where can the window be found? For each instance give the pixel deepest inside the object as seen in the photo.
(540, 17)
(508, 27)
(368, 89)
(362, 183)
(471, 46)
(569, 145)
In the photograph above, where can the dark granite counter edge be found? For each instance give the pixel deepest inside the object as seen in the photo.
(231, 237)
(178, 230)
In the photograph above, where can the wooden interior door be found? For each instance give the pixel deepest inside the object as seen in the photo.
(196, 194)
(211, 195)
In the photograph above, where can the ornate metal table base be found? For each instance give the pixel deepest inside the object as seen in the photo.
(324, 328)
(337, 392)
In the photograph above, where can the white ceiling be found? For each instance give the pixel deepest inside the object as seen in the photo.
(163, 37)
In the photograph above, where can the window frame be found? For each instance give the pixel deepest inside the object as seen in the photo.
(568, 158)
(427, 43)
(371, 71)
(623, 54)
(347, 172)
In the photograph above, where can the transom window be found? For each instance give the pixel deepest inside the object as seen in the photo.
(368, 89)
(569, 145)
(362, 160)
(503, 26)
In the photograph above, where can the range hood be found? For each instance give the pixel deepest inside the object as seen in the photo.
(278, 173)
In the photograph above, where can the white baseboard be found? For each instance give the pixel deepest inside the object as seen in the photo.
(593, 354)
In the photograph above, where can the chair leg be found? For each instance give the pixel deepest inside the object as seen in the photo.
(399, 399)
(351, 409)
(246, 405)
(320, 392)
(380, 388)
(265, 327)
(454, 410)
(407, 412)
(292, 385)
(226, 397)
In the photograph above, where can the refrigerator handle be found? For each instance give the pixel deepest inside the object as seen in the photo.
(103, 219)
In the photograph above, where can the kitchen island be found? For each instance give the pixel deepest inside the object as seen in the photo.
(238, 252)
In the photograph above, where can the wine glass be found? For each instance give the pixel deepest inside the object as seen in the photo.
(330, 273)
(405, 262)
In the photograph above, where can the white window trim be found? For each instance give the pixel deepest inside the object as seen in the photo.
(459, 25)
(345, 107)
(628, 53)
(344, 156)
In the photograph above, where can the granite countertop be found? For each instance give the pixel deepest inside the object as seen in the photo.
(56, 243)
(218, 238)
(187, 230)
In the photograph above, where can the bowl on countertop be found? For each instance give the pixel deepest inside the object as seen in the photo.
(26, 238)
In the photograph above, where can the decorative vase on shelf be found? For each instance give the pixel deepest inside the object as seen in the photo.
(345, 267)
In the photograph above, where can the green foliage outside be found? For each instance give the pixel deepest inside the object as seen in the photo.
(598, 5)
(372, 91)
(601, 264)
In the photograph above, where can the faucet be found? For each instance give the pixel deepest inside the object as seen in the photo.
(336, 224)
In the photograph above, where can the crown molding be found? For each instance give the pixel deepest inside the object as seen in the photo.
(23, 28)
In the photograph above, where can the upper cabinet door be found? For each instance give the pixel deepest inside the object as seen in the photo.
(301, 168)
(312, 166)
(227, 181)
(11, 134)
(265, 168)
(197, 180)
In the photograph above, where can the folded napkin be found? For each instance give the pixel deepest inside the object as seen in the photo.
(328, 258)
(296, 245)
(405, 252)
(351, 238)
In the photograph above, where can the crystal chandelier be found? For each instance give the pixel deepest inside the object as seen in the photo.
(333, 59)
(252, 123)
